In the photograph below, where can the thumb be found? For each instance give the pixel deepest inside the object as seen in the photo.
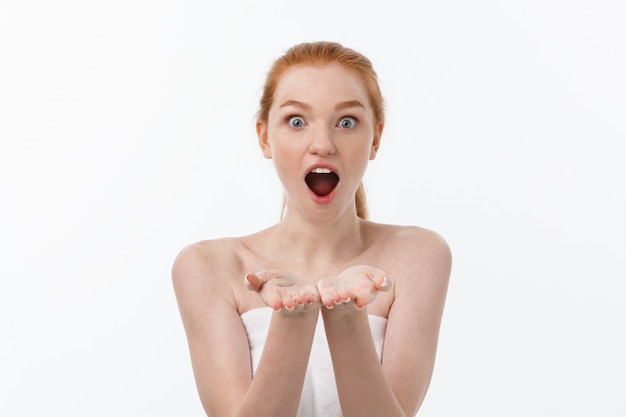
(256, 280)
(383, 283)
(253, 282)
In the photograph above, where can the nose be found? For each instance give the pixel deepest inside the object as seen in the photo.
(321, 142)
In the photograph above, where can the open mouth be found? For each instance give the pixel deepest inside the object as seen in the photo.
(322, 181)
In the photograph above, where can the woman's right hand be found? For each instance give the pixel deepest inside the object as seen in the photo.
(282, 291)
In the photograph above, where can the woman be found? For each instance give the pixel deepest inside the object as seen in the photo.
(325, 313)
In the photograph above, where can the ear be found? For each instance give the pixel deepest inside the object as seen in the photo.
(261, 132)
(378, 132)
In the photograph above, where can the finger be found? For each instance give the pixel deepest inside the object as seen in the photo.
(327, 301)
(361, 301)
(365, 296)
(312, 295)
(294, 305)
(253, 282)
(277, 277)
(304, 298)
(289, 303)
(295, 309)
(357, 303)
(326, 297)
(383, 283)
(333, 301)
(308, 299)
(273, 300)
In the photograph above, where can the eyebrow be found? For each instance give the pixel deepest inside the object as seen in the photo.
(295, 103)
(349, 104)
(340, 106)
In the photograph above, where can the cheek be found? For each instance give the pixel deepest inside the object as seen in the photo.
(285, 162)
(363, 150)
(360, 160)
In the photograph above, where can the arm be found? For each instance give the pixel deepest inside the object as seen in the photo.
(397, 386)
(273, 391)
(219, 346)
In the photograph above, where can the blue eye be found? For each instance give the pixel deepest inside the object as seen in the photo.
(295, 121)
(347, 122)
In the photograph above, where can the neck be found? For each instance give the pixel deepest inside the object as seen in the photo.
(313, 244)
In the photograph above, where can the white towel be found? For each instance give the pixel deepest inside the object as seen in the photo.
(319, 393)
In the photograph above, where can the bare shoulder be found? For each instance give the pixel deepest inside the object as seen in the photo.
(427, 243)
(206, 267)
(206, 251)
(419, 236)
(428, 252)
(205, 254)
(413, 254)
(410, 242)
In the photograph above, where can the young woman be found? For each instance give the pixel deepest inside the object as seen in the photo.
(325, 313)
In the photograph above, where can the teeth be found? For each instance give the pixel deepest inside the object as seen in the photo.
(321, 171)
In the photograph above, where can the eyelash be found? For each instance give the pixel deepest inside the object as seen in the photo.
(356, 120)
(292, 116)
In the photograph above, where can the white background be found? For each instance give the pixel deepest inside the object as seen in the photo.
(127, 132)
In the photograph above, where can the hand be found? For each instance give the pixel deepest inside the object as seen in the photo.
(355, 287)
(281, 290)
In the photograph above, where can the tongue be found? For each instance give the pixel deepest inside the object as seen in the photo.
(322, 184)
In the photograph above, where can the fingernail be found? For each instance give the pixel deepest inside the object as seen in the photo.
(385, 282)
(246, 282)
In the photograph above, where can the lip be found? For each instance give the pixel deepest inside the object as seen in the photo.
(327, 166)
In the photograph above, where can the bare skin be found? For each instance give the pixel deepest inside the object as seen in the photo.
(320, 261)
(212, 292)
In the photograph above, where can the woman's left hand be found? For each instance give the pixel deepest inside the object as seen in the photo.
(354, 288)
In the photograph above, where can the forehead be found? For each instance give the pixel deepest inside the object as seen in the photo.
(311, 83)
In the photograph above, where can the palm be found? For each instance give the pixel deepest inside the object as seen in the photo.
(356, 286)
(281, 290)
